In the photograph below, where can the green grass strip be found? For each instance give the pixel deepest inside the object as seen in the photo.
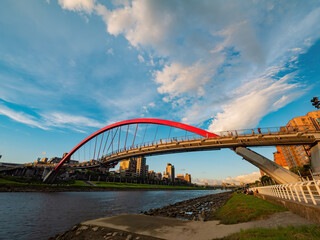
(244, 208)
(300, 233)
(7, 182)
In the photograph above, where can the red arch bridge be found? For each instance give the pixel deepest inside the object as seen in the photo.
(146, 137)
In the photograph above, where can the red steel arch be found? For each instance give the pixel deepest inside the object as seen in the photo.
(136, 121)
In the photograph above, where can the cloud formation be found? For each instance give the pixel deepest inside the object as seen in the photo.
(78, 5)
(245, 178)
(51, 119)
(218, 56)
(21, 117)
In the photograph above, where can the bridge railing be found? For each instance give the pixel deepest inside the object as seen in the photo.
(156, 142)
(303, 192)
(267, 130)
(229, 133)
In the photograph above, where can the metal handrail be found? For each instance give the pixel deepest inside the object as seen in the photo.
(305, 192)
(223, 134)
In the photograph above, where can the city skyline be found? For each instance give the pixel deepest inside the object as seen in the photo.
(69, 68)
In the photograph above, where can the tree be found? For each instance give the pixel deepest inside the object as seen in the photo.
(265, 179)
(315, 102)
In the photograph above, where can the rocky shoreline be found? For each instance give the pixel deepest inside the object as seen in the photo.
(196, 209)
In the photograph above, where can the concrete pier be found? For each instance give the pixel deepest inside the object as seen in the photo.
(278, 173)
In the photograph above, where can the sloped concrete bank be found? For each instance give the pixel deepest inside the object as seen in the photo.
(308, 211)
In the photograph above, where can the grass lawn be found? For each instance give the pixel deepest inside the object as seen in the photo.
(301, 233)
(4, 181)
(244, 208)
(78, 183)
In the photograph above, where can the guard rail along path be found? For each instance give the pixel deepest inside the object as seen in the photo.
(302, 192)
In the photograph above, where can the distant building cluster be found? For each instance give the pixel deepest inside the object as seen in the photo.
(137, 167)
(297, 155)
(54, 160)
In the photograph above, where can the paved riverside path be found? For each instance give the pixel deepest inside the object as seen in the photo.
(175, 229)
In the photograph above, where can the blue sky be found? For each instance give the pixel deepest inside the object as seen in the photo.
(70, 67)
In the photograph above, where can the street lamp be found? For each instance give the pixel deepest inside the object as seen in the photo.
(315, 102)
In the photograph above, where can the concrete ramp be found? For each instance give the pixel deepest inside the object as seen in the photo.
(275, 171)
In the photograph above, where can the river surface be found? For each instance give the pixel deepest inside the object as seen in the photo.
(28, 215)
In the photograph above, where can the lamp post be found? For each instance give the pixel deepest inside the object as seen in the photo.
(315, 102)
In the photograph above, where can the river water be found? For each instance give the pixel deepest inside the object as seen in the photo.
(29, 215)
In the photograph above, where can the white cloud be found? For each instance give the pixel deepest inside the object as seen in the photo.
(255, 99)
(176, 79)
(21, 117)
(296, 49)
(141, 59)
(222, 61)
(78, 5)
(110, 51)
(58, 119)
(152, 104)
(52, 119)
(245, 178)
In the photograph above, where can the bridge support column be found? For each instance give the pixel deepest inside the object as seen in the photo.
(51, 176)
(315, 159)
(275, 171)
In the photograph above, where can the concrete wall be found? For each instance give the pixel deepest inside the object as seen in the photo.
(310, 212)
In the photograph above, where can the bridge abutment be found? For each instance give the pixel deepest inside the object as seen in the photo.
(315, 159)
(278, 173)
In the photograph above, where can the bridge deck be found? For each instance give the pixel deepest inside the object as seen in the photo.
(217, 143)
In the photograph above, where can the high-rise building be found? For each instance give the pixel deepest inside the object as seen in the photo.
(188, 177)
(298, 155)
(180, 176)
(129, 165)
(158, 176)
(141, 166)
(279, 157)
(151, 175)
(170, 172)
